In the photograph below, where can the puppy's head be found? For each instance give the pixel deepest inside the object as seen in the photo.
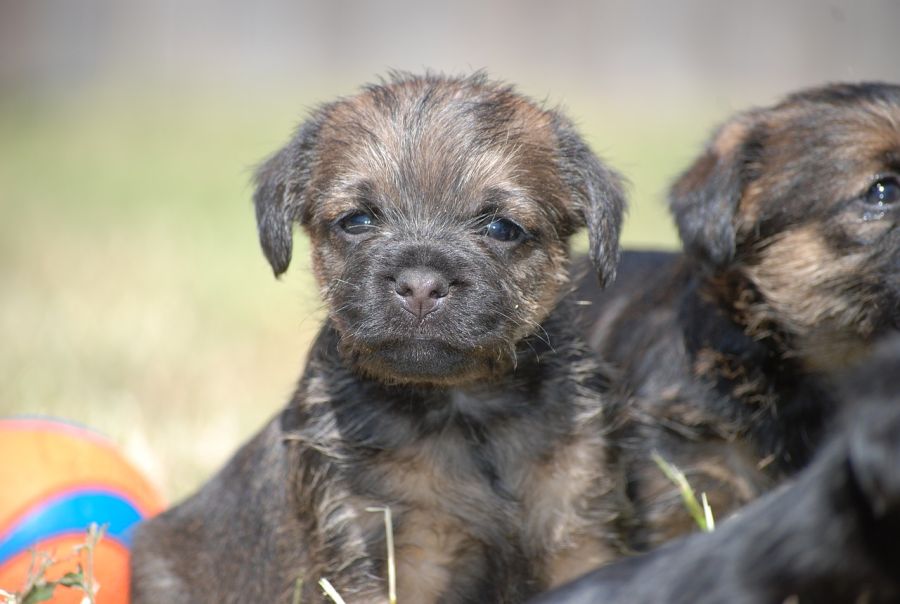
(803, 199)
(439, 211)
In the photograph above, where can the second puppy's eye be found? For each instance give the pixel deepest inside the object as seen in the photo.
(884, 192)
(504, 230)
(357, 224)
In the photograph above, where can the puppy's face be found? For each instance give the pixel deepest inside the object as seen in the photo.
(804, 200)
(439, 211)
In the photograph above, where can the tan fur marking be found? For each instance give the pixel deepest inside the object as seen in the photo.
(556, 497)
(801, 280)
(425, 555)
(429, 534)
(585, 554)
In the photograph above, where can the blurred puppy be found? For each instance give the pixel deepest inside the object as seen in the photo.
(789, 221)
(829, 536)
(449, 383)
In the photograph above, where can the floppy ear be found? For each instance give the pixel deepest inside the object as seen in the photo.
(281, 193)
(598, 194)
(704, 200)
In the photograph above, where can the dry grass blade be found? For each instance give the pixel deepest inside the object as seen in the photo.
(298, 592)
(389, 540)
(330, 591)
(95, 534)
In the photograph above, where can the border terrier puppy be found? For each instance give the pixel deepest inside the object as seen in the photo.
(789, 221)
(829, 536)
(448, 383)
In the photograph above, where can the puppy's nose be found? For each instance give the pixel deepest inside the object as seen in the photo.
(421, 290)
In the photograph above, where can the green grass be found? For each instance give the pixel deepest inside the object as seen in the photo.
(699, 511)
(133, 296)
(39, 587)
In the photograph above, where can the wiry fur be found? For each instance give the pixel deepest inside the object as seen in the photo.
(788, 274)
(828, 536)
(481, 425)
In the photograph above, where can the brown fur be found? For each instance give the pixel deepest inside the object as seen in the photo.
(481, 424)
(789, 274)
(830, 535)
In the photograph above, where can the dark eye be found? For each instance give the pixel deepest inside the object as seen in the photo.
(357, 224)
(885, 191)
(502, 229)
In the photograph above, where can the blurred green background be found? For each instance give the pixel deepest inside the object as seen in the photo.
(133, 296)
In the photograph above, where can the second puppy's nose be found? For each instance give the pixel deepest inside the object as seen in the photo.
(421, 290)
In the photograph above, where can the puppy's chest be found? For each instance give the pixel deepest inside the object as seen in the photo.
(486, 523)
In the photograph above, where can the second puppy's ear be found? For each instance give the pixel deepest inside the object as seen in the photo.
(704, 199)
(281, 193)
(598, 195)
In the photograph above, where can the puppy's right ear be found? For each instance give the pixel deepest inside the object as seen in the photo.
(282, 183)
(704, 199)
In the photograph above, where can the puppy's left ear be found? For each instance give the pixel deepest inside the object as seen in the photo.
(598, 196)
(282, 184)
(704, 200)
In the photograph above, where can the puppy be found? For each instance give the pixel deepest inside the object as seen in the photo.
(789, 221)
(448, 383)
(829, 536)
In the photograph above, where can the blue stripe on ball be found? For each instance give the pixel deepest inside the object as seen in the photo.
(71, 512)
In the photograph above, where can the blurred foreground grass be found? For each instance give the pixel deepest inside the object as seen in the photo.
(133, 296)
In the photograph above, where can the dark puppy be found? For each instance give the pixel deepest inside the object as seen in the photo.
(830, 536)
(790, 271)
(447, 383)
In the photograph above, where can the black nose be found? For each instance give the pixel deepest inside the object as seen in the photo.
(421, 290)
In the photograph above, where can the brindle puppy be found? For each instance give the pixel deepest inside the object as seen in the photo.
(790, 271)
(448, 383)
(831, 535)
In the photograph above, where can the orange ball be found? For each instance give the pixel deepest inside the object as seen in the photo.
(56, 479)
